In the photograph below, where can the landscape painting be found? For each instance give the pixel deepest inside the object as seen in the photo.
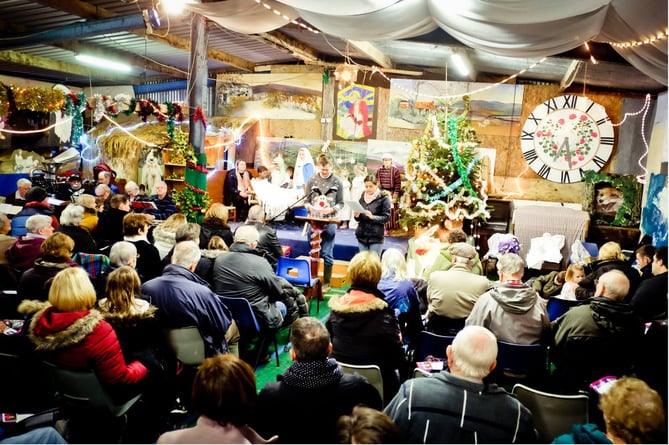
(494, 109)
(270, 96)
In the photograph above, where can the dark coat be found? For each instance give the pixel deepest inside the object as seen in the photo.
(110, 227)
(241, 273)
(83, 241)
(365, 331)
(184, 299)
(268, 243)
(281, 403)
(165, 206)
(80, 340)
(650, 299)
(586, 287)
(148, 263)
(35, 283)
(211, 227)
(371, 230)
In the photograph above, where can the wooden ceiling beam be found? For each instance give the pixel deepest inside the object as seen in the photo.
(296, 48)
(88, 11)
(10, 56)
(374, 53)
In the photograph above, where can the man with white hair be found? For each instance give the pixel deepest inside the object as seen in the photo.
(122, 253)
(18, 198)
(597, 339)
(456, 406)
(184, 299)
(452, 293)
(511, 309)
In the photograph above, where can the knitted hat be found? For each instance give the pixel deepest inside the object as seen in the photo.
(74, 177)
(463, 250)
(36, 194)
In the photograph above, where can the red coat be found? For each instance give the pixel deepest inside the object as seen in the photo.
(81, 340)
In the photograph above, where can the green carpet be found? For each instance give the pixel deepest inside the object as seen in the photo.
(268, 372)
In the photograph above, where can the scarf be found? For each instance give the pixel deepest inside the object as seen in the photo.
(369, 198)
(312, 375)
(242, 186)
(370, 290)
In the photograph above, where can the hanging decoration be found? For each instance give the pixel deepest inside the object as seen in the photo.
(75, 105)
(443, 173)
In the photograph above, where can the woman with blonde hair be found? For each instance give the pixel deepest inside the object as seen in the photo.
(75, 335)
(610, 257)
(215, 248)
(215, 223)
(164, 235)
(90, 205)
(363, 328)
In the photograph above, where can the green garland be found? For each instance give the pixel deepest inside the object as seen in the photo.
(628, 214)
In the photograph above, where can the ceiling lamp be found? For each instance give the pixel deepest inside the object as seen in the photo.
(346, 74)
(99, 62)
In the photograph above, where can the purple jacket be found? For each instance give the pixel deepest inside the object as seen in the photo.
(23, 253)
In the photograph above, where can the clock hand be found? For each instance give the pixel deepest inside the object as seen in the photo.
(568, 150)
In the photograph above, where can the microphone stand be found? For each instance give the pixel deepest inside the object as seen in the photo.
(305, 197)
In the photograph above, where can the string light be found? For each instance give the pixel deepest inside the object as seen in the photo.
(592, 58)
(286, 18)
(41, 130)
(660, 35)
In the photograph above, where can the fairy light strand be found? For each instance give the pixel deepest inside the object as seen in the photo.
(658, 36)
(286, 18)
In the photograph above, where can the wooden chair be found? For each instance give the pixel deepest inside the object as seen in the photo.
(553, 414)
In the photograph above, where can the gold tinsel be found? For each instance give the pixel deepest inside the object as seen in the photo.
(38, 99)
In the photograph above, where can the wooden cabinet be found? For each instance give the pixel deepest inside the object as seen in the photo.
(627, 237)
(174, 176)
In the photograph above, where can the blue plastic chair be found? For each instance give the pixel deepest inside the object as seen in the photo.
(247, 323)
(432, 344)
(520, 362)
(556, 307)
(592, 248)
(297, 271)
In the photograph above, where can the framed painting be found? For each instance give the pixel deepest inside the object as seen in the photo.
(612, 200)
(355, 113)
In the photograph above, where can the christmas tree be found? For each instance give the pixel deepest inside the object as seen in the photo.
(193, 200)
(443, 173)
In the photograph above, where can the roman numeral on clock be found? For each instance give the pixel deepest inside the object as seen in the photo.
(606, 140)
(527, 135)
(564, 176)
(603, 120)
(551, 105)
(534, 118)
(569, 102)
(544, 171)
(530, 156)
(599, 161)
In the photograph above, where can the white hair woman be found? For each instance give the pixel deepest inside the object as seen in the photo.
(70, 224)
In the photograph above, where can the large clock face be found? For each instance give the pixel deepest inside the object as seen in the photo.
(565, 136)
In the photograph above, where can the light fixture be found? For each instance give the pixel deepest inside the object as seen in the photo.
(346, 74)
(460, 63)
(99, 62)
(175, 7)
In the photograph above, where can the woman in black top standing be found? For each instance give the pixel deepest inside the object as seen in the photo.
(377, 204)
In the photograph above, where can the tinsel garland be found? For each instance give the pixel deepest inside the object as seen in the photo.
(197, 167)
(37, 99)
(195, 189)
(453, 137)
(73, 107)
(199, 115)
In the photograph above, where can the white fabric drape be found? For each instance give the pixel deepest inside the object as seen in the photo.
(513, 28)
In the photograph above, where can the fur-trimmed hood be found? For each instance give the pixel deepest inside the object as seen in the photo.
(356, 301)
(212, 253)
(50, 330)
(118, 319)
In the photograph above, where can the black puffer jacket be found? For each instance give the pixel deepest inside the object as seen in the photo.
(371, 230)
(586, 287)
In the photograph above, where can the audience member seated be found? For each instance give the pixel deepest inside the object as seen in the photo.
(105, 194)
(268, 242)
(452, 293)
(549, 285)
(184, 299)
(22, 254)
(73, 334)
(164, 235)
(610, 257)
(363, 328)
(444, 261)
(215, 248)
(71, 189)
(633, 413)
(141, 338)
(456, 406)
(135, 230)
(286, 407)
(644, 259)
(165, 205)
(511, 309)
(122, 253)
(18, 198)
(45, 434)
(55, 255)
(400, 294)
(91, 218)
(573, 276)
(106, 177)
(190, 232)
(242, 273)
(70, 225)
(224, 394)
(110, 224)
(589, 339)
(215, 223)
(650, 299)
(367, 425)
(5, 240)
(132, 191)
(36, 204)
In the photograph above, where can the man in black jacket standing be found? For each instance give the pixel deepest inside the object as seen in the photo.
(305, 403)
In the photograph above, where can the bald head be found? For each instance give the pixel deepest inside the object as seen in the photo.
(613, 285)
(473, 353)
